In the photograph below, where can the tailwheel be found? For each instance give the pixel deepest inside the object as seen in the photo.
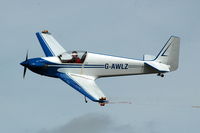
(161, 75)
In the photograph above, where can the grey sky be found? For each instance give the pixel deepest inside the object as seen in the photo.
(128, 28)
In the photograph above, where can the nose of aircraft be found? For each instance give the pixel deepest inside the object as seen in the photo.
(24, 63)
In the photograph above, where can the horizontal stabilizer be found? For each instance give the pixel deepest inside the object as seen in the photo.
(148, 57)
(158, 66)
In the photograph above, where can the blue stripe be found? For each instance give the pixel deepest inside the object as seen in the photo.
(44, 45)
(66, 78)
(94, 67)
(80, 65)
(162, 49)
(64, 67)
(73, 67)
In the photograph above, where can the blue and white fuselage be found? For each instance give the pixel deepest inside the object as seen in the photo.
(82, 75)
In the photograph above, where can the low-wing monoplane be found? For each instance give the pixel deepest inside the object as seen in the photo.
(80, 69)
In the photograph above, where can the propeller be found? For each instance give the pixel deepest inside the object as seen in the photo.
(25, 65)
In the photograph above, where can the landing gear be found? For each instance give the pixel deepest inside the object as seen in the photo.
(161, 75)
(85, 100)
(102, 104)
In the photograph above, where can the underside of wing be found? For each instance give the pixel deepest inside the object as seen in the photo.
(49, 45)
(85, 85)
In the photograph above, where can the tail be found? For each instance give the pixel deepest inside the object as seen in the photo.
(169, 54)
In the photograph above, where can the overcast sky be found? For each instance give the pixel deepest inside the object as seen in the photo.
(128, 28)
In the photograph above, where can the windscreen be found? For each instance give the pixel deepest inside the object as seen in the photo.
(73, 57)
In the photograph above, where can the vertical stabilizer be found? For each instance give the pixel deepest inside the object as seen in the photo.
(169, 54)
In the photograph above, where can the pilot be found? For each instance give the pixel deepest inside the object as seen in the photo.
(75, 58)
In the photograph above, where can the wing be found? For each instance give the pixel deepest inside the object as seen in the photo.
(49, 45)
(85, 85)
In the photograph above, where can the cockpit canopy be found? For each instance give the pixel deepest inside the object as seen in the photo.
(73, 57)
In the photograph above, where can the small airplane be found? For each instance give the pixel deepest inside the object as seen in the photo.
(80, 69)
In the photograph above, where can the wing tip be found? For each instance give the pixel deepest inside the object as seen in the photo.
(43, 32)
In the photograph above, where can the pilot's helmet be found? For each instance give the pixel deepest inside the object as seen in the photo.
(74, 53)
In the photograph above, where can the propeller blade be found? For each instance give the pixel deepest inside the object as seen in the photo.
(25, 67)
(24, 72)
(27, 55)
